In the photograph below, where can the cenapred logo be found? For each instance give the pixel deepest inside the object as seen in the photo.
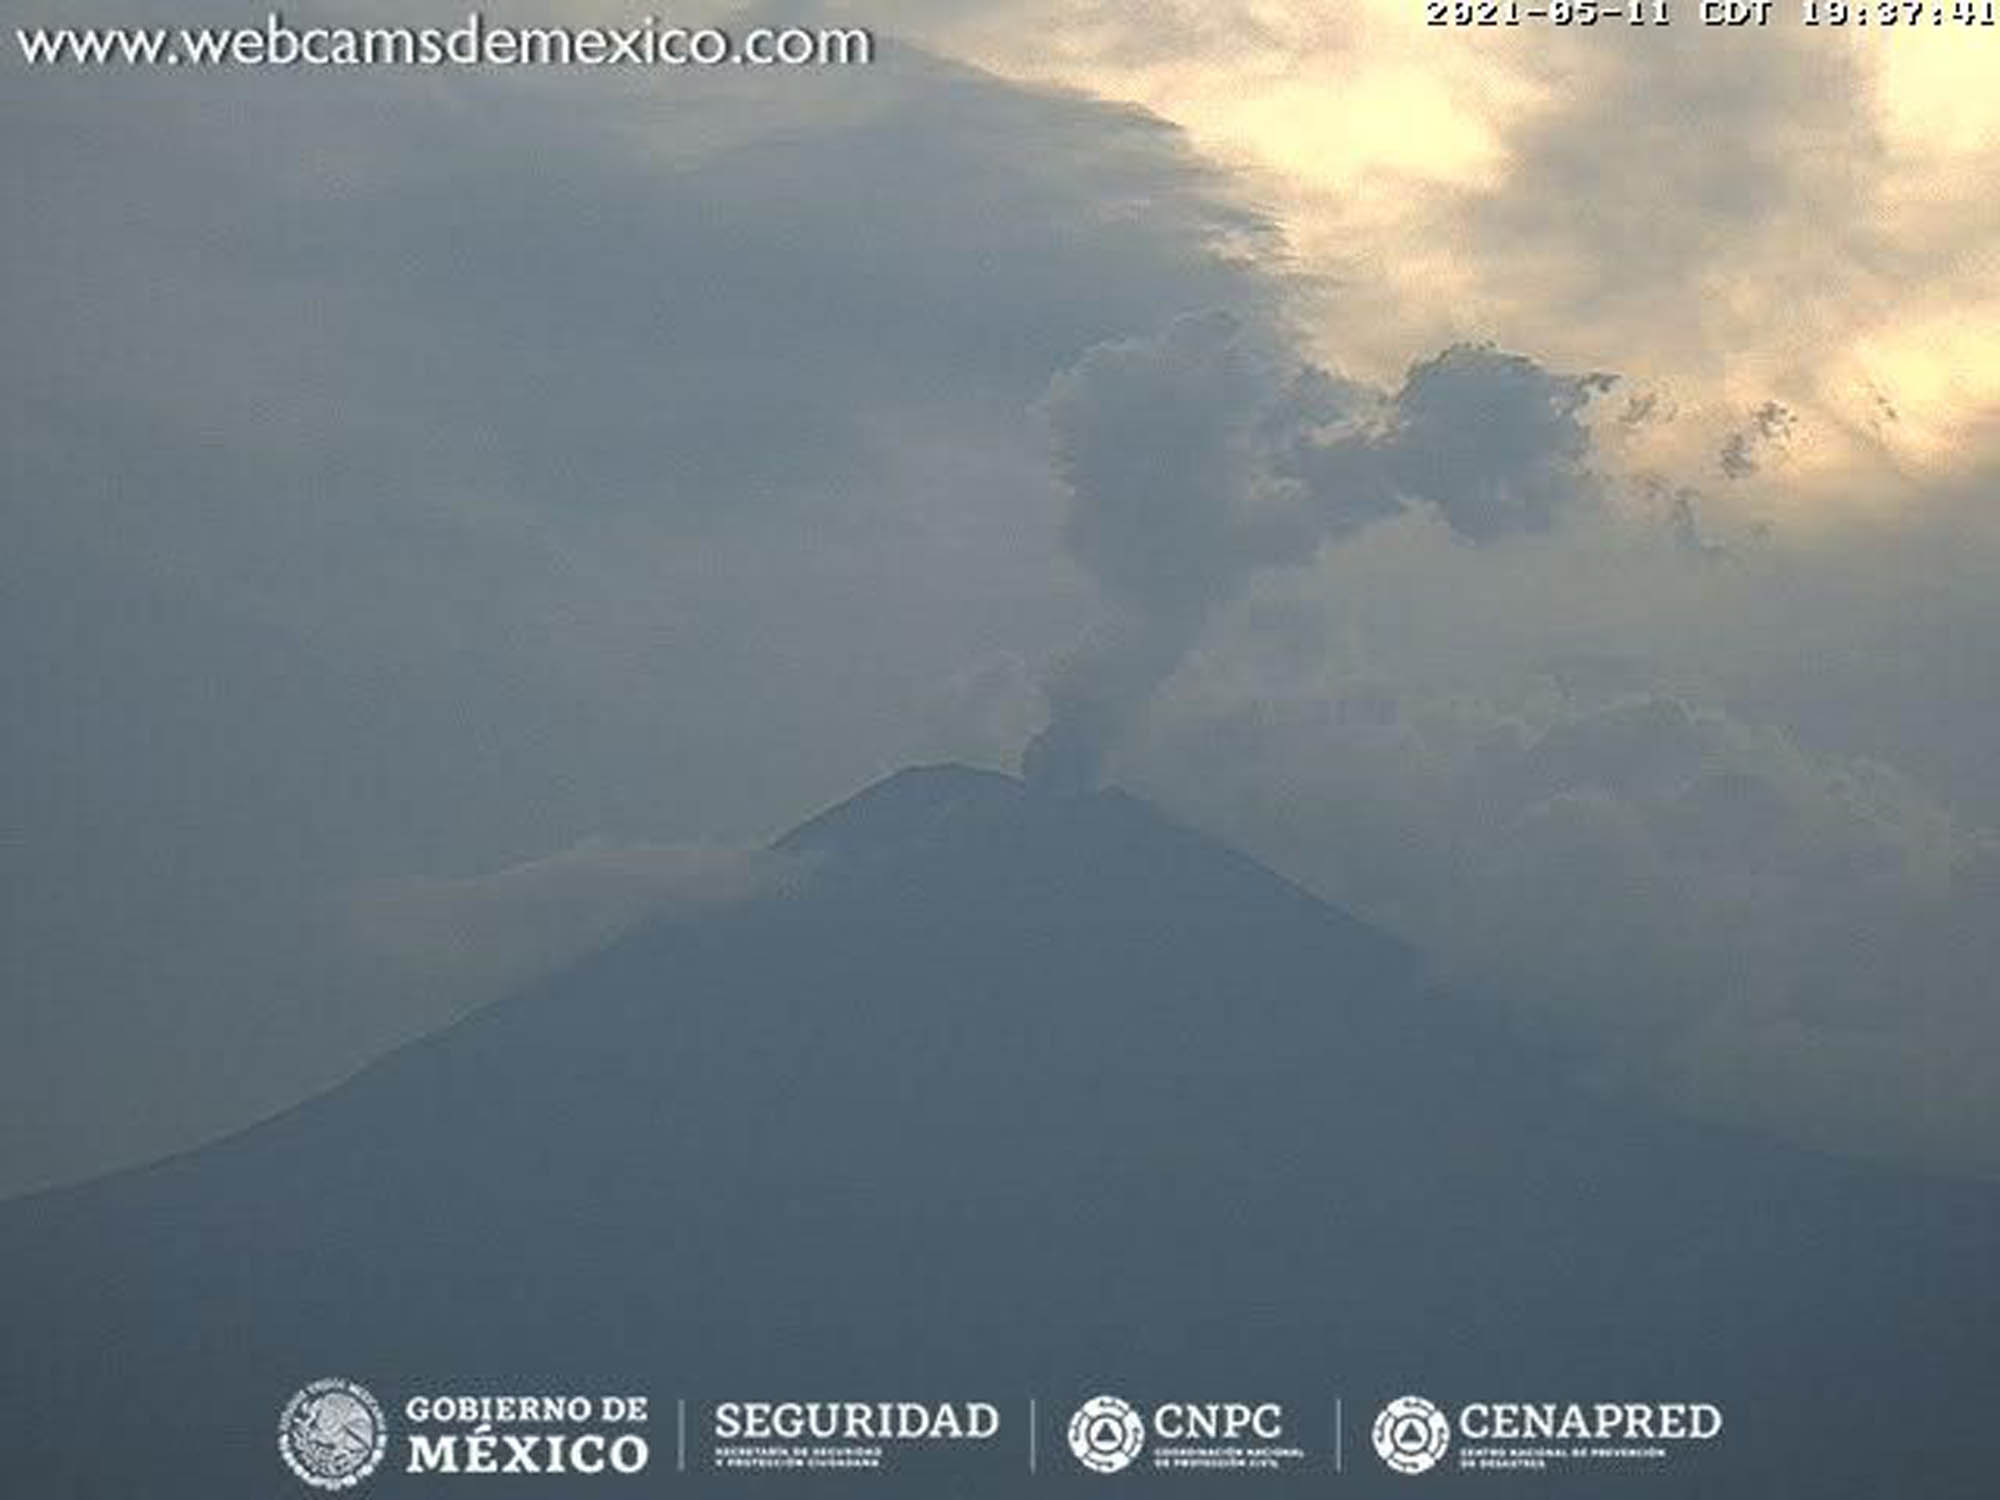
(332, 1434)
(1106, 1434)
(1411, 1434)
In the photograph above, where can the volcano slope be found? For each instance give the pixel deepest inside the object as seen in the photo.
(1009, 1095)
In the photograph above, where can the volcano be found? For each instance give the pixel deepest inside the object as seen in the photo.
(1010, 1095)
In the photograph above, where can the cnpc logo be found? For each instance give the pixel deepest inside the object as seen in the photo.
(1107, 1433)
(1410, 1435)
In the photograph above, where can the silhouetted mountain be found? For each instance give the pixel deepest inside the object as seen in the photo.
(1016, 1094)
(954, 844)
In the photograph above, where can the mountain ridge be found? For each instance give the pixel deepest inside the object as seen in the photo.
(864, 1138)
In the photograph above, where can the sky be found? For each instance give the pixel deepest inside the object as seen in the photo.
(1534, 488)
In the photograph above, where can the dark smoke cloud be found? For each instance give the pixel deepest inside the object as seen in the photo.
(1493, 440)
(1743, 451)
(1180, 453)
(1202, 456)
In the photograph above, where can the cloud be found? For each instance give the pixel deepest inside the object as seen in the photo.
(413, 473)
(1763, 228)
(461, 943)
(1769, 427)
(1725, 218)
(1558, 768)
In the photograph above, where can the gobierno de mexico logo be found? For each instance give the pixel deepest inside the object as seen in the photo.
(332, 1433)
(1106, 1434)
(1411, 1434)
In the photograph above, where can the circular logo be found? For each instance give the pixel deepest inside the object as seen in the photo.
(332, 1434)
(1411, 1434)
(1106, 1434)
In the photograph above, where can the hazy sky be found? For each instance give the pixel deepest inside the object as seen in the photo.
(447, 506)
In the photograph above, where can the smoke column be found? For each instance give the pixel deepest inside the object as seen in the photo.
(1198, 457)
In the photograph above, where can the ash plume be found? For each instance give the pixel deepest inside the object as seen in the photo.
(1201, 456)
